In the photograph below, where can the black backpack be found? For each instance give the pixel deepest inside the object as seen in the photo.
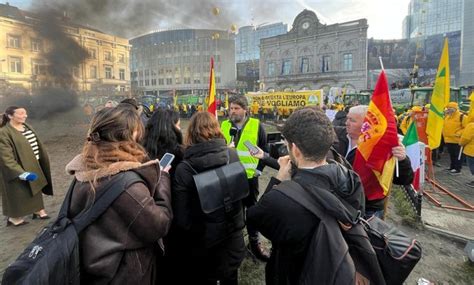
(53, 256)
(395, 253)
(334, 257)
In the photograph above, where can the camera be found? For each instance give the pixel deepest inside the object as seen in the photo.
(276, 146)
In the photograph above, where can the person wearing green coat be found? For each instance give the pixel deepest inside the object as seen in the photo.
(24, 173)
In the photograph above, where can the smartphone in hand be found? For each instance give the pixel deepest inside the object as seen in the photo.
(253, 149)
(166, 160)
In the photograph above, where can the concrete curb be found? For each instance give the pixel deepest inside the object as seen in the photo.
(448, 234)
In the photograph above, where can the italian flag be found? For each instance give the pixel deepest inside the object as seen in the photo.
(410, 141)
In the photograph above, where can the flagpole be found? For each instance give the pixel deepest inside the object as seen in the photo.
(460, 153)
(381, 62)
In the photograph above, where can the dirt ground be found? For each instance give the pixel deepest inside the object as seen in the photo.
(443, 259)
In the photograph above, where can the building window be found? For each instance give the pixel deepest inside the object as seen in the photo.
(122, 74)
(14, 41)
(187, 80)
(37, 67)
(36, 45)
(153, 82)
(147, 82)
(107, 55)
(108, 72)
(271, 69)
(15, 64)
(75, 72)
(121, 58)
(325, 64)
(169, 81)
(92, 53)
(304, 65)
(93, 71)
(161, 81)
(197, 80)
(286, 67)
(347, 62)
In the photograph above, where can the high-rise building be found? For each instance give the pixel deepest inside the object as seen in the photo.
(247, 52)
(431, 17)
(467, 45)
(177, 61)
(24, 52)
(248, 39)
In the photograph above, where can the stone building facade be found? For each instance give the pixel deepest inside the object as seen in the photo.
(23, 61)
(313, 55)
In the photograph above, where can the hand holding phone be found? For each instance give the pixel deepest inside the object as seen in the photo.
(166, 160)
(252, 149)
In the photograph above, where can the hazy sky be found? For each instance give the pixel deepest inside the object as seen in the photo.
(384, 16)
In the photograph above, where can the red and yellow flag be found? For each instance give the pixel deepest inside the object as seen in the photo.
(374, 161)
(211, 106)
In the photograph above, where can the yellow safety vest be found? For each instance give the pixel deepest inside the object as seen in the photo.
(250, 133)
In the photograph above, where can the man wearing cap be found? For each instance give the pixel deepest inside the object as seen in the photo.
(240, 127)
(454, 123)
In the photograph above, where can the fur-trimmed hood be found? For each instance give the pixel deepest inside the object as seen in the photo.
(150, 170)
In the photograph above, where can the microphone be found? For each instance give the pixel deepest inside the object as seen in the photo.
(232, 133)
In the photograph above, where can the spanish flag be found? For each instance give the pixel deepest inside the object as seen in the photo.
(374, 161)
(439, 100)
(211, 106)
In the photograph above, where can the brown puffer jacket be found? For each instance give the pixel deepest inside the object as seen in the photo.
(121, 246)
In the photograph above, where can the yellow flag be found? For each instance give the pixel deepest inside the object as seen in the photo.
(439, 100)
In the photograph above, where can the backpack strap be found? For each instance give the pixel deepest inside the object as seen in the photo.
(108, 194)
(298, 194)
(308, 200)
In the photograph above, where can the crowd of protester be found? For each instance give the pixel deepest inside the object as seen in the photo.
(157, 232)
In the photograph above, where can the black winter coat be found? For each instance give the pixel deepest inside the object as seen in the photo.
(290, 227)
(187, 247)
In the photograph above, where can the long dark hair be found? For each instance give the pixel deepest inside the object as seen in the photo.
(162, 135)
(9, 111)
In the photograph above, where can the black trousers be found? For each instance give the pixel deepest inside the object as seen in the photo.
(453, 150)
(251, 200)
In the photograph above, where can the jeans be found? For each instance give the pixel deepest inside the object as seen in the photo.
(377, 213)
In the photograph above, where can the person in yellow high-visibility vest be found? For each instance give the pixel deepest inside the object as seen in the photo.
(240, 127)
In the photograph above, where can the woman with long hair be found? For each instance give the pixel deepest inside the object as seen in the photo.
(120, 247)
(24, 173)
(206, 247)
(163, 134)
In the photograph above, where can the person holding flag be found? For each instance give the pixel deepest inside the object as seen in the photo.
(454, 123)
(239, 128)
(370, 143)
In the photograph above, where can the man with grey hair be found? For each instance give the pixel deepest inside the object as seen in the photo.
(346, 145)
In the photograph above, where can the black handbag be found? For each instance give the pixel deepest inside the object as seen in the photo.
(221, 187)
(397, 253)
